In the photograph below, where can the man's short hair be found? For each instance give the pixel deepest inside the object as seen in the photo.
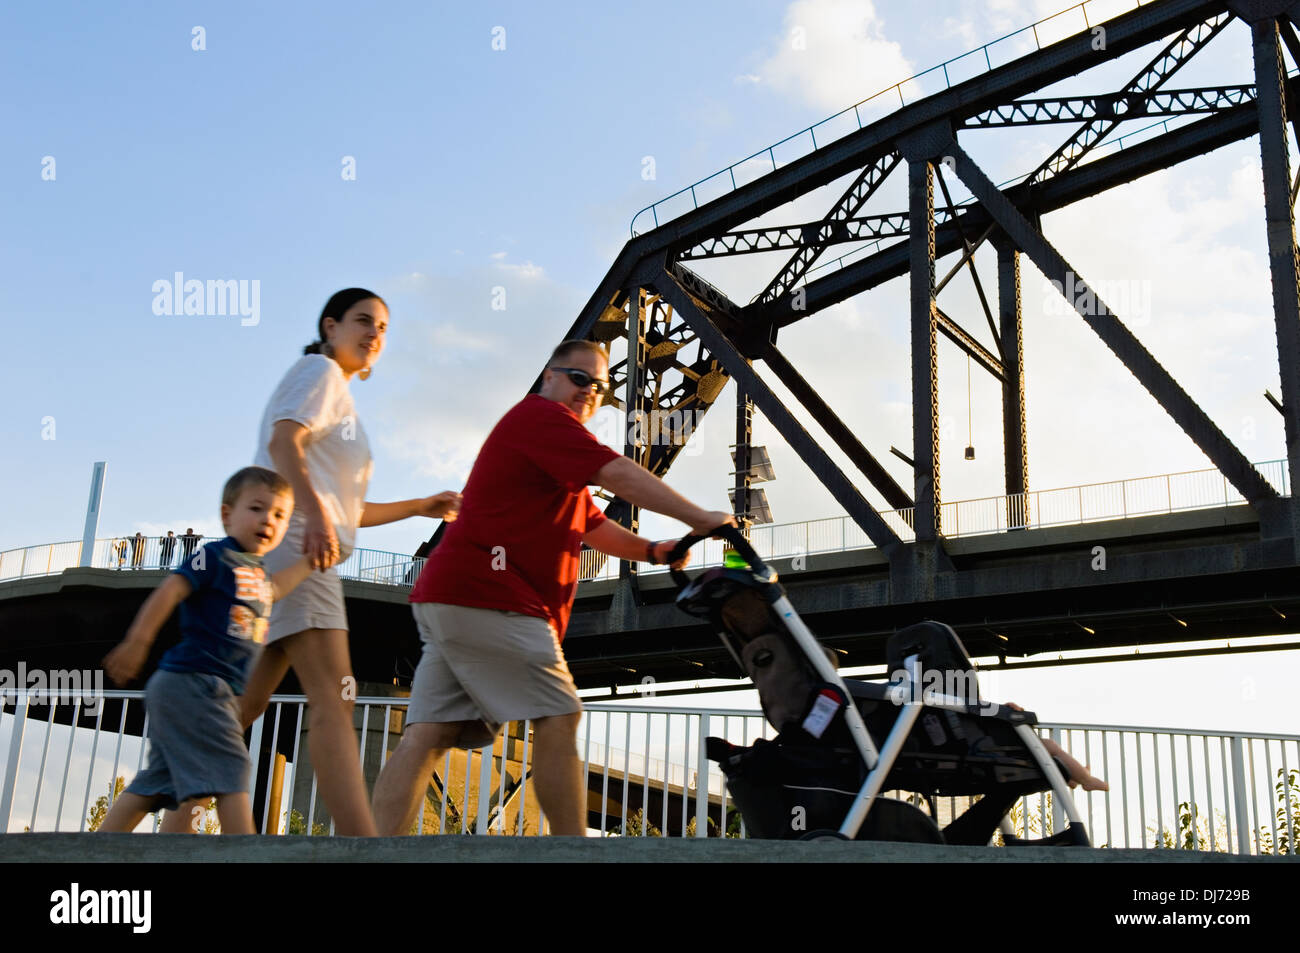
(253, 476)
(570, 347)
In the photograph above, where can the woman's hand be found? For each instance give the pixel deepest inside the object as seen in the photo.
(444, 505)
(320, 544)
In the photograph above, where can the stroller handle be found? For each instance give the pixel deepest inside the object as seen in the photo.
(733, 536)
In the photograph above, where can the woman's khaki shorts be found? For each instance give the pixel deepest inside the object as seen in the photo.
(488, 666)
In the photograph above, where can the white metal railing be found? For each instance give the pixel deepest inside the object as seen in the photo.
(130, 553)
(1088, 503)
(646, 774)
(1038, 509)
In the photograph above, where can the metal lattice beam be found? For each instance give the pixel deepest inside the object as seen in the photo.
(1113, 107)
(809, 235)
(845, 208)
(892, 225)
(1152, 76)
(1084, 181)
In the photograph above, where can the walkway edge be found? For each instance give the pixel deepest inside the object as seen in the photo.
(186, 848)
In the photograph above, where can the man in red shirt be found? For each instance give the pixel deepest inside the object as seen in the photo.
(493, 600)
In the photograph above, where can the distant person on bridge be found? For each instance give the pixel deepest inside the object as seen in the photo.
(188, 542)
(311, 436)
(137, 550)
(196, 736)
(493, 600)
(167, 547)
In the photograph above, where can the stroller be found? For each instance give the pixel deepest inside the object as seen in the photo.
(842, 742)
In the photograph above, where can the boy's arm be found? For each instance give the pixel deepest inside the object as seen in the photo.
(124, 662)
(283, 582)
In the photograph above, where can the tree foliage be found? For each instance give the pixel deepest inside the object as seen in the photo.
(102, 803)
(298, 825)
(1286, 817)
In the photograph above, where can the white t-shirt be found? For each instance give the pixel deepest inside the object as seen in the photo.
(315, 394)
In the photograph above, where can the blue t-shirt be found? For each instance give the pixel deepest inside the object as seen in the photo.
(223, 622)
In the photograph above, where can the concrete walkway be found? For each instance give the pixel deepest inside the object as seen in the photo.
(182, 848)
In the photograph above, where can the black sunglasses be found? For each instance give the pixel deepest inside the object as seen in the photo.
(582, 379)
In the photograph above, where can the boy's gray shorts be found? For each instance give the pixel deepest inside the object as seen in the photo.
(196, 746)
(487, 666)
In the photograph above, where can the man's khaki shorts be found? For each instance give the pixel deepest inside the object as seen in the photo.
(487, 666)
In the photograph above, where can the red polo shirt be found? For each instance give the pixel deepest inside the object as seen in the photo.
(524, 512)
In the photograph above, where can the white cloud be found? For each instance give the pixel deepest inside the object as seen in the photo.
(449, 337)
(455, 364)
(833, 53)
(982, 21)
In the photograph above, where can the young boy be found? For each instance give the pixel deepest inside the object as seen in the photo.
(196, 740)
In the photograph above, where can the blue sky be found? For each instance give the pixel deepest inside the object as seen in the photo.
(521, 168)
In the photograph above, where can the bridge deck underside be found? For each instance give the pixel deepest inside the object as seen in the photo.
(1008, 597)
(1018, 594)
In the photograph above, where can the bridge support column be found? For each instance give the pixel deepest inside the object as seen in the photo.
(925, 359)
(1270, 83)
(635, 424)
(1011, 334)
(623, 615)
(744, 462)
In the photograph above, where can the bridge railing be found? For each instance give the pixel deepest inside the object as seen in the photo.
(646, 774)
(982, 59)
(130, 554)
(1039, 509)
(1118, 499)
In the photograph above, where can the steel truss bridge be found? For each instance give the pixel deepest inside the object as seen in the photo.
(683, 338)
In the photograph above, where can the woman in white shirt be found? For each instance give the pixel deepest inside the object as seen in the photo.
(311, 436)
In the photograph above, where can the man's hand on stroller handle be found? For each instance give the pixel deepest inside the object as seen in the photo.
(708, 523)
(664, 548)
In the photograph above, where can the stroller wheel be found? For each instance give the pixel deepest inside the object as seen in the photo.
(823, 835)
